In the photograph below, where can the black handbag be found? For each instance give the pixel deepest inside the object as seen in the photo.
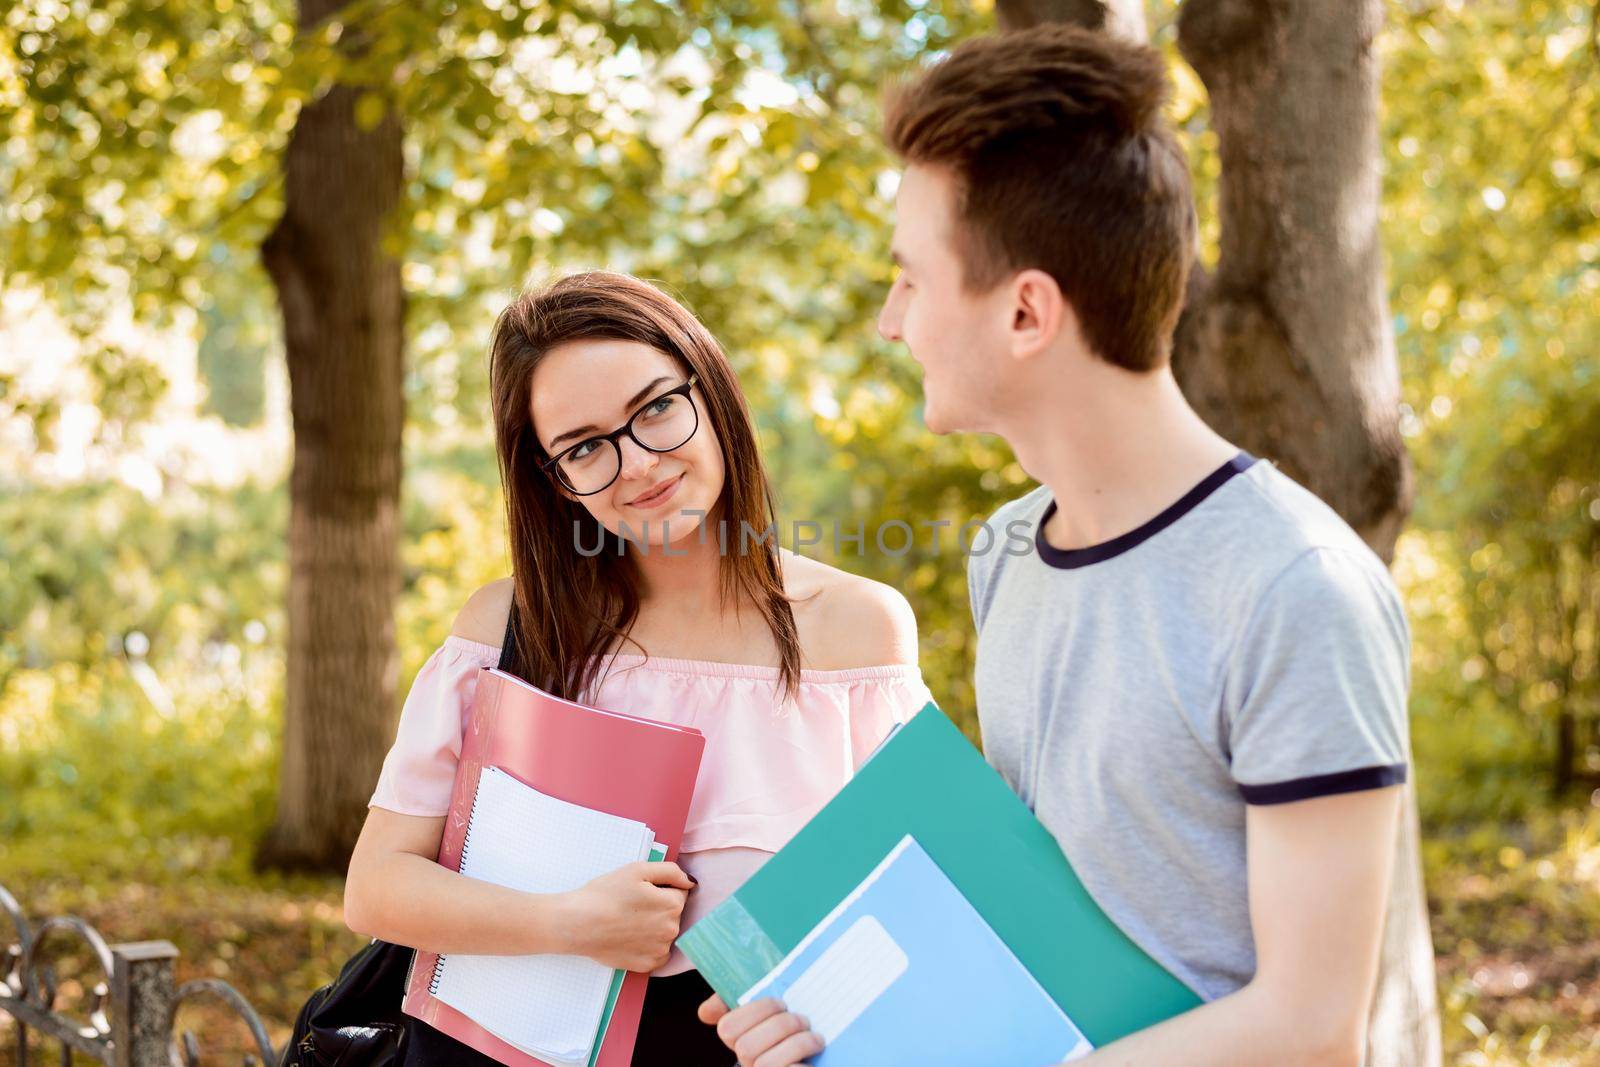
(355, 1020)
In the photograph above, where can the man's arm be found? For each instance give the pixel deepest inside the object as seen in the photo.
(1319, 880)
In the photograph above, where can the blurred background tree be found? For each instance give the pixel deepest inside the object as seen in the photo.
(730, 151)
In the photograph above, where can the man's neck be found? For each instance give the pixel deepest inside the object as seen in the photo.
(1116, 461)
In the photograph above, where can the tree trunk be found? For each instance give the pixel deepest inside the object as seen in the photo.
(1287, 349)
(340, 293)
(1119, 17)
(1291, 348)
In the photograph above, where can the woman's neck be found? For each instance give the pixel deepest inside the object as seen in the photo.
(682, 614)
(685, 574)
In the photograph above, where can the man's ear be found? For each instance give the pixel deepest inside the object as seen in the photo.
(1038, 313)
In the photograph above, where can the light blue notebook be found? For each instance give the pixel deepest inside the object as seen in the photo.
(905, 971)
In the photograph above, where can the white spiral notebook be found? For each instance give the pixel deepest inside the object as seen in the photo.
(548, 1006)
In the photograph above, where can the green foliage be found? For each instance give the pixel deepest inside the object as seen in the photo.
(238, 336)
(134, 711)
(141, 674)
(152, 133)
(136, 136)
(729, 150)
(1492, 219)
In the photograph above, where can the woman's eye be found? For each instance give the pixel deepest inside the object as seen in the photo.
(659, 407)
(583, 451)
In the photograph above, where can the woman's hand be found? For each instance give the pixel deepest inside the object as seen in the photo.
(629, 918)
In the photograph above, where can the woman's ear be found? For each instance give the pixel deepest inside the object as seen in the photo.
(1037, 313)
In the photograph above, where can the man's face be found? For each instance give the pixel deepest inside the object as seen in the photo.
(957, 336)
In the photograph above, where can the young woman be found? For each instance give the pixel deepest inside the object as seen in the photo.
(636, 499)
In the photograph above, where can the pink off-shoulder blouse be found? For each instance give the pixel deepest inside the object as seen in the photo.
(770, 762)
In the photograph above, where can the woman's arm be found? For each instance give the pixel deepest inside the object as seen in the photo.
(395, 891)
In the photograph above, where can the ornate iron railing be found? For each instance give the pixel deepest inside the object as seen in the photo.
(131, 1011)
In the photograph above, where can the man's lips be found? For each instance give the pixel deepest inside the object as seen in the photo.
(657, 494)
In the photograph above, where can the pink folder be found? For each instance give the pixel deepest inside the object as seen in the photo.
(636, 768)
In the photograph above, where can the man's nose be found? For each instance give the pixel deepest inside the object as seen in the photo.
(889, 319)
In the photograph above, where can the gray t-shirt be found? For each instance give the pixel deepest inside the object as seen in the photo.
(1243, 647)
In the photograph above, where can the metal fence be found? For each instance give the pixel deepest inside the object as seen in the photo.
(130, 1012)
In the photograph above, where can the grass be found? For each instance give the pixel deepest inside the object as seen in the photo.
(1516, 925)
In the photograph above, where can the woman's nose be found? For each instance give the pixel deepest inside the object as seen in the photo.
(636, 460)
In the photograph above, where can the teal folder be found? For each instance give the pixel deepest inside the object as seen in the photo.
(658, 852)
(928, 781)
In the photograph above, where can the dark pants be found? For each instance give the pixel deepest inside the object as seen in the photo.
(670, 1034)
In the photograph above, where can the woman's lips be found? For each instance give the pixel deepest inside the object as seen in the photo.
(658, 496)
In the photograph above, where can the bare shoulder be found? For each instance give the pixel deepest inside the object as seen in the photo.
(483, 619)
(846, 621)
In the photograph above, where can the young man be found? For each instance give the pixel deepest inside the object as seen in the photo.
(1198, 679)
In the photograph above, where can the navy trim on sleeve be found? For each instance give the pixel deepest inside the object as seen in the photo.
(1325, 785)
(1070, 558)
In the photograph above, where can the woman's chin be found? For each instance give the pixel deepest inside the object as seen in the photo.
(675, 529)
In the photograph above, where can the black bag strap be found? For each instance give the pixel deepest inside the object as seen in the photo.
(508, 644)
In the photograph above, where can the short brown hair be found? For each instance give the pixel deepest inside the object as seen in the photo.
(1063, 163)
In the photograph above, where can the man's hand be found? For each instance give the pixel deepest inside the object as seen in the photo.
(762, 1033)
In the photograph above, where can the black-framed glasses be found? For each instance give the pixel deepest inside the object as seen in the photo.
(661, 425)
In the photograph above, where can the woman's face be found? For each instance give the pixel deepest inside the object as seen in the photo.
(586, 389)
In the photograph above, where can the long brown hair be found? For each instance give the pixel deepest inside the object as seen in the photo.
(570, 608)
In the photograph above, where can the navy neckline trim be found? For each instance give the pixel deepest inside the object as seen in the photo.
(1070, 558)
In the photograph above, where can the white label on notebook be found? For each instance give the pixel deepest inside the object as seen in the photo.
(846, 978)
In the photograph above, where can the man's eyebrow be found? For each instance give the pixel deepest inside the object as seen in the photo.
(637, 399)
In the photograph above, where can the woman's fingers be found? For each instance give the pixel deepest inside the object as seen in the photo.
(665, 874)
(712, 1010)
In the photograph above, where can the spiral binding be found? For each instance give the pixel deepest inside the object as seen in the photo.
(433, 983)
(466, 843)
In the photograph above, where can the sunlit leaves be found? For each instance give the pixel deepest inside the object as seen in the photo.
(1492, 222)
(730, 151)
